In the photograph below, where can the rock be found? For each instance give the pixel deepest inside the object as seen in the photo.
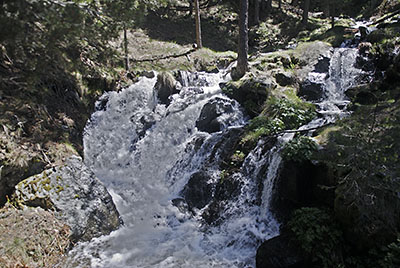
(101, 104)
(314, 57)
(198, 191)
(12, 172)
(165, 87)
(211, 119)
(299, 185)
(312, 89)
(77, 196)
(279, 252)
(322, 65)
(285, 78)
(227, 189)
(249, 92)
(148, 74)
(364, 94)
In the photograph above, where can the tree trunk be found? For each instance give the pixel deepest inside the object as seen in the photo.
(126, 52)
(325, 8)
(256, 12)
(268, 7)
(242, 63)
(198, 25)
(280, 4)
(190, 8)
(306, 8)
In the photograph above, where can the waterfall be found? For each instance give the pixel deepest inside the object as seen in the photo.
(147, 155)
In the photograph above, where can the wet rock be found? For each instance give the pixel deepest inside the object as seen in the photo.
(101, 104)
(279, 252)
(312, 89)
(285, 79)
(165, 87)
(211, 118)
(148, 74)
(198, 191)
(227, 189)
(322, 65)
(181, 204)
(77, 196)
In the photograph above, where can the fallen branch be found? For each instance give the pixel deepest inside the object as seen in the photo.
(304, 130)
(387, 17)
(164, 57)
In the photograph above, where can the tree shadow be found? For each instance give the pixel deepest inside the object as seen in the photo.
(180, 29)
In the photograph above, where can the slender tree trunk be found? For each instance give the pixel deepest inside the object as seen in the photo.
(280, 4)
(256, 12)
(268, 7)
(306, 8)
(198, 25)
(190, 8)
(242, 63)
(325, 8)
(126, 52)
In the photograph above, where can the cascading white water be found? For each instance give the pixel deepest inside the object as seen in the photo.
(342, 75)
(145, 153)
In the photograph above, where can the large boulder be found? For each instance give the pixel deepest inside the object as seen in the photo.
(77, 196)
(313, 87)
(279, 252)
(165, 87)
(251, 93)
(198, 192)
(302, 184)
(285, 78)
(212, 117)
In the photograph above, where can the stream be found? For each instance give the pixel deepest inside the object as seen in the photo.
(147, 155)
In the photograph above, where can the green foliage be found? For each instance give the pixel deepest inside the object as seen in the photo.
(318, 235)
(280, 114)
(392, 258)
(293, 114)
(262, 126)
(299, 149)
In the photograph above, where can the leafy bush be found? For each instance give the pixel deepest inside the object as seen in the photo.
(299, 149)
(318, 235)
(392, 258)
(293, 114)
(261, 126)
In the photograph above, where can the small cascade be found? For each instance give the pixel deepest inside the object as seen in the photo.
(342, 75)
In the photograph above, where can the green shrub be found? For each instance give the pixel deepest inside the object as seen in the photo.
(299, 149)
(318, 236)
(293, 114)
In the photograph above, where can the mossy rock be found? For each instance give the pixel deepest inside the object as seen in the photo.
(251, 93)
(75, 194)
